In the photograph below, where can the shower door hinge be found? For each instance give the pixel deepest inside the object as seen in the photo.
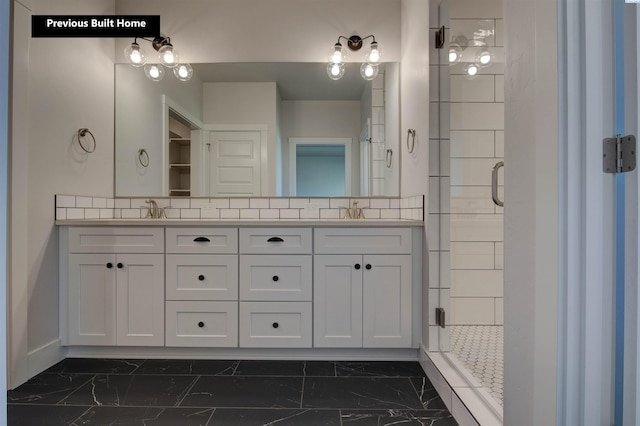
(440, 317)
(619, 154)
(440, 38)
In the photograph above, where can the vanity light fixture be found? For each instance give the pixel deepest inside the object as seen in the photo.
(337, 57)
(167, 54)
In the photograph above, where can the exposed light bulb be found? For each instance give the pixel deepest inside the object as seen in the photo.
(169, 57)
(337, 56)
(335, 71)
(368, 71)
(155, 72)
(471, 70)
(183, 72)
(484, 58)
(135, 55)
(453, 56)
(375, 54)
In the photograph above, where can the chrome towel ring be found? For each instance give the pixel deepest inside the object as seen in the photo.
(389, 158)
(143, 157)
(411, 134)
(81, 135)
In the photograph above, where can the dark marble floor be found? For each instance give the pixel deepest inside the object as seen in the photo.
(205, 392)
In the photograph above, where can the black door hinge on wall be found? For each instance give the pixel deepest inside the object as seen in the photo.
(619, 154)
(440, 317)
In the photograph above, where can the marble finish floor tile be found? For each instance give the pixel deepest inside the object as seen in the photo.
(47, 388)
(160, 392)
(397, 417)
(360, 392)
(279, 417)
(221, 391)
(128, 390)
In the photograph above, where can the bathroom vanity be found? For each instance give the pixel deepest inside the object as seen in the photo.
(307, 288)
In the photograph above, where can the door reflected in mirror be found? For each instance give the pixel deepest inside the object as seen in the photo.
(257, 129)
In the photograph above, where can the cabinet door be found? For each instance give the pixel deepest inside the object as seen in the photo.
(387, 301)
(140, 304)
(337, 301)
(92, 299)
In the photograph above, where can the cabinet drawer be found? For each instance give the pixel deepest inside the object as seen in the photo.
(197, 324)
(275, 277)
(362, 241)
(275, 240)
(275, 324)
(202, 277)
(106, 239)
(202, 240)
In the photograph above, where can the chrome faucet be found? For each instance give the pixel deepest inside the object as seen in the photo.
(354, 212)
(154, 212)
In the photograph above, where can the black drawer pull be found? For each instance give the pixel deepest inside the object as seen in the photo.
(201, 277)
(109, 265)
(357, 266)
(120, 265)
(200, 324)
(275, 278)
(201, 240)
(275, 240)
(368, 266)
(275, 325)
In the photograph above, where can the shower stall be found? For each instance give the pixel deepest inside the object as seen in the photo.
(467, 193)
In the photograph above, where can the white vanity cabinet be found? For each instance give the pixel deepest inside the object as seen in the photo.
(275, 287)
(115, 286)
(202, 287)
(362, 287)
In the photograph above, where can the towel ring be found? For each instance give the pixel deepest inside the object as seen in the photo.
(143, 157)
(81, 134)
(389, 158)
(411, 133)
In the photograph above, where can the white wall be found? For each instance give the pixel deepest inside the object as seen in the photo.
(5, 25)
(392, 127)
(245, 103)
(139, 124)
(268, 31)
(336, 119)
(66, 84)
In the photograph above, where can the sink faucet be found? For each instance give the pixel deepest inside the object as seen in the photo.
(154, 211)
(354, 212)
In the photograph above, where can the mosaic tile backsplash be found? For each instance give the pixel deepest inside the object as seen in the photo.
(77, 207)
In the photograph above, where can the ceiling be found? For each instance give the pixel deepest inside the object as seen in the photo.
(295, 80)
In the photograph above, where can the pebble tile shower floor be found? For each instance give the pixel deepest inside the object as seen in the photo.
(480, 348)
(239, 393)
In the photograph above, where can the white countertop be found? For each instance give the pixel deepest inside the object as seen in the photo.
(244, 222)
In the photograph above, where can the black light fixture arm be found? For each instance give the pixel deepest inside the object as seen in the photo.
(355, 41)
(156, 42)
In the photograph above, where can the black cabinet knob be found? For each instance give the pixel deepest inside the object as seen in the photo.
(109, 265)
(275, 278)
(200, 324)
(357, 266)
(368, 266)
(275, 325)
(120, 265)
(201, 277)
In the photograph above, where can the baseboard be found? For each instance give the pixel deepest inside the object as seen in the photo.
(469, 402)
(356, 354)
(45, 356)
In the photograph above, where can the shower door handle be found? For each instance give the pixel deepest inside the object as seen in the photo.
(494, 184)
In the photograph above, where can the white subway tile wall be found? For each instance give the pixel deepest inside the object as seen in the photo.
(476, 145)
(70, 207)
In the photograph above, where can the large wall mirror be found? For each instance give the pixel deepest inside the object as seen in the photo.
(257, 129)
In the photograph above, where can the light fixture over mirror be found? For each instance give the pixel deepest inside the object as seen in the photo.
(167, 54)
(337, 57)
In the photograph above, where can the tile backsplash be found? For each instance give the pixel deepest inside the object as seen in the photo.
(77, 207)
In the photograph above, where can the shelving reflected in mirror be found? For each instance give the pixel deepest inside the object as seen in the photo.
(238, 130)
